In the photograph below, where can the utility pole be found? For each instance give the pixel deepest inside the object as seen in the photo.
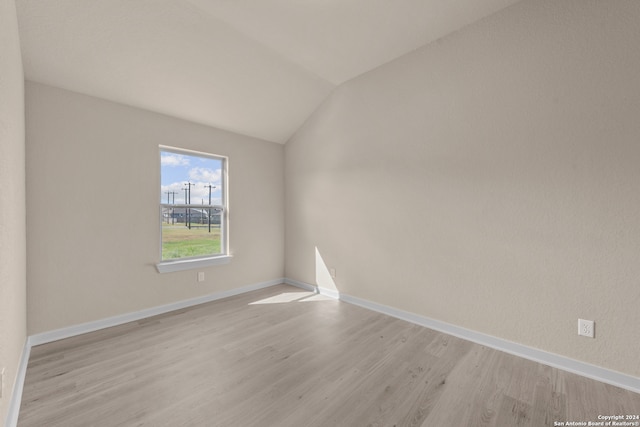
(185, 202)
(188, 194)
(168, 209)
(209, 209)
(173, 196)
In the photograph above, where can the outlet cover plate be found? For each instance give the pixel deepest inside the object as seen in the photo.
(586, 328)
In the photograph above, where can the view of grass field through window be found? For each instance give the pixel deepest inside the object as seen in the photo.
(180, 242)
(191, 205)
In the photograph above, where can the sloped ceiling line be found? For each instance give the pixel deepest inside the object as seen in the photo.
(254, 67)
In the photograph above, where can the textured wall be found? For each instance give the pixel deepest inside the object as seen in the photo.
(93, 182)
(12, 202)
(489, 180)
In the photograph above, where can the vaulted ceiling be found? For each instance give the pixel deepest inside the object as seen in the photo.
(255, 67)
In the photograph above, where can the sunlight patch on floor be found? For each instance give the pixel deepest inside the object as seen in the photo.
(284, 298)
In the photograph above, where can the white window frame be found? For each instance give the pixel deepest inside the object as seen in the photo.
(189, 263)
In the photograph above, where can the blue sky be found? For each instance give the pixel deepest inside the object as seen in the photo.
(178, 169)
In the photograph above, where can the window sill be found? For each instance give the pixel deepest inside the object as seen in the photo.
(190, 264)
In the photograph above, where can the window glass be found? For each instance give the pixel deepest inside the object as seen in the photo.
(192, 204)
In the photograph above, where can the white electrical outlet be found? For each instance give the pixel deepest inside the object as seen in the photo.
(586, 328)
(201, 276)
(332, 272)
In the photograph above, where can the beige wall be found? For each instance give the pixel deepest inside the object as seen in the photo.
(92, 200)
(12, 203)
(489, 180)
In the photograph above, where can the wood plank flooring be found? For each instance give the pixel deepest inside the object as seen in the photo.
(285, 357)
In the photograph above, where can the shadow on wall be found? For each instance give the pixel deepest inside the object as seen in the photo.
(324, 280)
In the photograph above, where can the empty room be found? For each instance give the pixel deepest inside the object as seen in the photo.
(319, 213)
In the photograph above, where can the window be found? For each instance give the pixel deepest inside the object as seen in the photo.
(193, 209)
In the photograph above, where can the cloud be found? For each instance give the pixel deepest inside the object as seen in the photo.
(200, 194)
(205, 175)
(170, 159)
(176, 190)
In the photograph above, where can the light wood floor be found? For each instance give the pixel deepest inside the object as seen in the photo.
(285, 357)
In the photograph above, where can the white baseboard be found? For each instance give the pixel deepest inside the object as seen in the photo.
(58, 334)
(587, 370)
(301, 285)
(71, 331)
(594, 372)
(16, 396)
(319, 290)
